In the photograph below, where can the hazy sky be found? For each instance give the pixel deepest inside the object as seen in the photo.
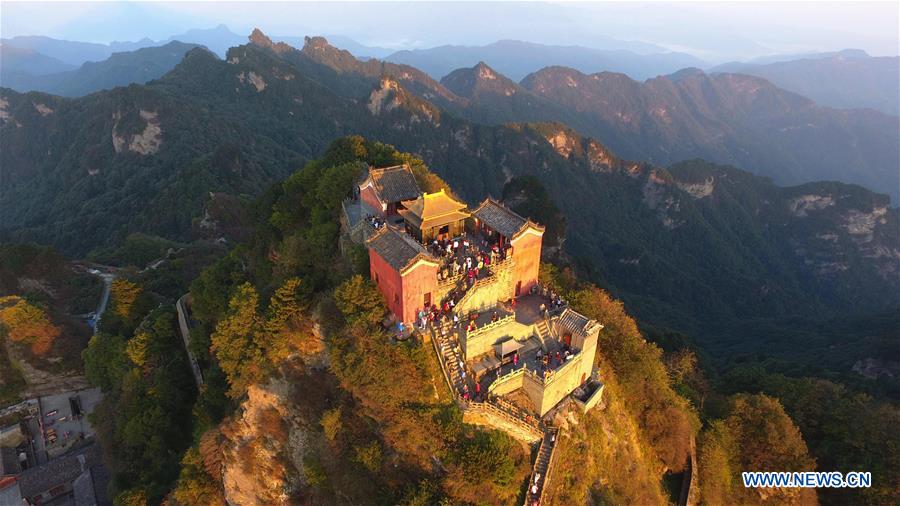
(711, 30)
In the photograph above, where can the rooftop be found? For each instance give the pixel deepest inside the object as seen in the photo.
(397, 248)
(576, 322)
(435, 209)
(394, 184)
(501, 219)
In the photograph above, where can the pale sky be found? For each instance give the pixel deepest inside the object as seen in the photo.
(710, 30)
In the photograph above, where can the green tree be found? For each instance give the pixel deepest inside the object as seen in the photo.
(195, 486)
(360, 301)
(105, 361)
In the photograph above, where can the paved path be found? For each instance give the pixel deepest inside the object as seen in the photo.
(185, 331)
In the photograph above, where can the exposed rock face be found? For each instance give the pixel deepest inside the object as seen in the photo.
(562, 143)
(42, 109)
(260, 39)
(802, 205)
(600, 158)
(254, 471)
(698, 190)
(255, 79)
(384, 98)
(147, 142)
(872, 368)
(390, 96)
(658, 196)
(862, 224)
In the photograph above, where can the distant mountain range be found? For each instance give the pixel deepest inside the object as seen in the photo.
(697, 247)
(728, 118)
(217, 40)
(846, 79)
(120, 69)
(723, 117)
(516, 59)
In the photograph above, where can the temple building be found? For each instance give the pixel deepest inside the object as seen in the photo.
(522, 239)
(386, 191)
(435, 216)
(404, 272)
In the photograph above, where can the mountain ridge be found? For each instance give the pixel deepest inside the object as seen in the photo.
(145, 158)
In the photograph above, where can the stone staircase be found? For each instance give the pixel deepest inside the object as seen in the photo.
(524, 424)
(543, 467)
(450, 359)
(543, 330)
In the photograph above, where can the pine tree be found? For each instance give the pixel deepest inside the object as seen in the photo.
(236, 339)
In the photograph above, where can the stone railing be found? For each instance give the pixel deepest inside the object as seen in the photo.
(531, 431)
(440, 357)
(546, 379)
(490, 326)
(551, 436)
(506, 378)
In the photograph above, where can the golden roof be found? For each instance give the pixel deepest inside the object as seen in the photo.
(434, 210)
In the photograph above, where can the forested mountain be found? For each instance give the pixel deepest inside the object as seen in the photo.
(517, 59)
(734, 119)
(120, 69)
(729, 118)
(709, 257)
(144, 159)
(846, 79)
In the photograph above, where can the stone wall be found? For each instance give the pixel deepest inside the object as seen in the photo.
(507, 383)
(479, 342)
(481, 413)
(527, 256)
(486, 292)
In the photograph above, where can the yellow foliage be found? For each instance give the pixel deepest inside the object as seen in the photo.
(26, 323)
(136, 348)
(123, 294)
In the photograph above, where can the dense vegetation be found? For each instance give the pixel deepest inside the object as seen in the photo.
(723, 269)
(630, 227)
(138, 362)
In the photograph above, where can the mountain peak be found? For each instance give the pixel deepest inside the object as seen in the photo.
(466, 82)
(258, 38)
(316, 43)
(686, 73)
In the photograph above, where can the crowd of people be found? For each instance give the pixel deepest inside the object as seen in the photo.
(556, 302)
(550, 361)
(466, 255)
(376, 221)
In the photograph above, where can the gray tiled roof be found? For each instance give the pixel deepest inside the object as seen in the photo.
(575, 321)
(9, 461)
(396, 247)
(499, 218)
(395, 184)
(58, 471)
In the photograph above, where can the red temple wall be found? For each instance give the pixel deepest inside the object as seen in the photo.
(416, 283)
(527, 254)
(404, 295)
(388, 282)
